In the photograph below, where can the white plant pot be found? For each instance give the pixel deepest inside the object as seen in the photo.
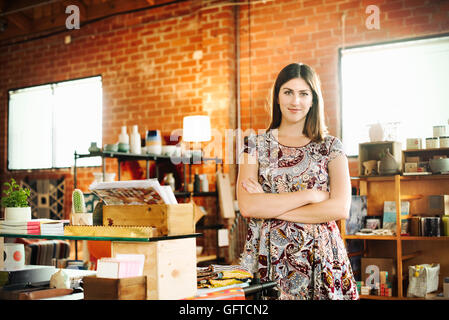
(81, 219)
(18, 214)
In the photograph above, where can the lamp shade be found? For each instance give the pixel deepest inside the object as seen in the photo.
(196, 129)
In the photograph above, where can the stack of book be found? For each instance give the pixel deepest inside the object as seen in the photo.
(53, 228)
(20, 227)
(33, 227)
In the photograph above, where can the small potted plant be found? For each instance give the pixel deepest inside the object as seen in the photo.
(15, 202)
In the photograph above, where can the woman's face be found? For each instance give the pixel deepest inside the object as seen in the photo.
(295, 100)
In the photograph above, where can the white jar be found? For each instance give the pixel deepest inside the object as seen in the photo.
(413, 143)
(439, 131)
(136, 143)
(444, 142)
(155, 149)
(204, 183)
(123, 137)
(432, 143)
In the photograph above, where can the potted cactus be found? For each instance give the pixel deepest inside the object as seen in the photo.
(79, 215)
(15, 202)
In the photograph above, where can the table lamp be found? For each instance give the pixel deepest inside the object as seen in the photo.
(196, 129)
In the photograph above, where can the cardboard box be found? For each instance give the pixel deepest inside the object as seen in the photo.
(133, 288)
(168, 219)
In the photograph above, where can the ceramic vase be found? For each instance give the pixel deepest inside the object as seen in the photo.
(135, 145)
(388, 164)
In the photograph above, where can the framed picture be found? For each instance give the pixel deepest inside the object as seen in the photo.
(357, 214)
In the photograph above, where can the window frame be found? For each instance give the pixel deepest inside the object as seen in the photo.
(340, 76)
(8, 117)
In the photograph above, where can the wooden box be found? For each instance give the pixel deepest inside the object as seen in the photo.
(372, 151)
(134, 288)
(170, 266)
(384, 264)
(168, 219)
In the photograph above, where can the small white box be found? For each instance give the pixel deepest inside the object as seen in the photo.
(410, 167)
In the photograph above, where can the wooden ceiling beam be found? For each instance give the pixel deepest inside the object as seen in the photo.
(88, 11)
(3, 5)
(20, 20)
(80, 4)
(23, 5)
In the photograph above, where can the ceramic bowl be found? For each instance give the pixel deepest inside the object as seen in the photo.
(168, 150)
(123, 147)
(439, 165)
(111, 147)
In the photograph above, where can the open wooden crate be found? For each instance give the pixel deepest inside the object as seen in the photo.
(168, 219)
(134, 288)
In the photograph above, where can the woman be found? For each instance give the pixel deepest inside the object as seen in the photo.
(293, 184)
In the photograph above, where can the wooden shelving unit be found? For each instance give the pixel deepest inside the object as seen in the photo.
(187, 163)
(406, 250)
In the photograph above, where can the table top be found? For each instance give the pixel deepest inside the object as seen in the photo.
(62, 237)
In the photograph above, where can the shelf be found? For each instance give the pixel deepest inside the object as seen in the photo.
(411, 197)
(52, 237)
(442, 238)
(374, 178)
(195, 194)
(429, 296)
(374, 237)
(403, 178)
(411, 255)
(426, 150)
(370, 237)
(373, 297)
(148, 156)
(206, 258)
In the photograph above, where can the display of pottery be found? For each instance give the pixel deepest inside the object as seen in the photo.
(370, 167)
(388, 164)
(93, 148)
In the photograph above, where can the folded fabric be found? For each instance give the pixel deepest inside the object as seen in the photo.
(219, 276)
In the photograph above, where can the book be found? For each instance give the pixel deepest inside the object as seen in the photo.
(122, 266)
(133, 192)
(389, 216)
(357, 213)
(33, 226)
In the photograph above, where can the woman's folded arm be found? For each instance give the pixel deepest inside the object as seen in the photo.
(254, 203)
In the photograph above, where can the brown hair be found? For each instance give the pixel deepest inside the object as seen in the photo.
(314, 126)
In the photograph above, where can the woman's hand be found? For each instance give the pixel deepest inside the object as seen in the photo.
(252, 186)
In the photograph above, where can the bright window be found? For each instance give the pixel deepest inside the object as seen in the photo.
(403, 85)
(48, 123)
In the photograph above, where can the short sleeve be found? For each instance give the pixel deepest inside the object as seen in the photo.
(335, 149)
(250, 145)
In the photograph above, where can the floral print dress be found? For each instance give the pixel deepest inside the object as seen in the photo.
(308, 261)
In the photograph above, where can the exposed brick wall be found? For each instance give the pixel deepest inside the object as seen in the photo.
(280, 32)
(163, 64)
